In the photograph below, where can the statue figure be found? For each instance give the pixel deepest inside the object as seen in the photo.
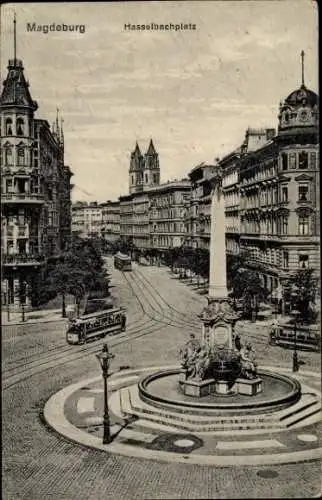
(248, 362)
(189, 355)
(202, 362)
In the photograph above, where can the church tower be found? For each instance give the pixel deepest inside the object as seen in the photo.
(136, 171)
(151, 167)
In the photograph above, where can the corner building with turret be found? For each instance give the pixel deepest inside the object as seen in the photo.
(35, 190)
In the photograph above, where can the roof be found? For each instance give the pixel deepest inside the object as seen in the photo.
(301, 96)
(15, 87)
(151, 149)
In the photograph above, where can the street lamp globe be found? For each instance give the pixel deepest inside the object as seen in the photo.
(104, 358)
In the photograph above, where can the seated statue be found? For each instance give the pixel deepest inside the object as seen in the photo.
(248, 362)
(202, 362)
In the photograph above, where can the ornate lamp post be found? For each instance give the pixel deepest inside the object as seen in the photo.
(295, 361)
(104, 358)
(22, 300)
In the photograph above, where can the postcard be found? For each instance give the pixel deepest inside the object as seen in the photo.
(160, 243)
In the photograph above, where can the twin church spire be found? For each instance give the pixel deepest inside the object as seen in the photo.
(144, 169)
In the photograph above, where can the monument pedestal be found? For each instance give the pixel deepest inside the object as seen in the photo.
(249, 387)
(198, 388)
(224, 388)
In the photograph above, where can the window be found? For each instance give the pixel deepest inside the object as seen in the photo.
(303, 193)
(155, 178)
(284, 161)
(21, 186)
(20, 126)
(132, 178)
(303, 224)
(9, 185)
(313, 160)
(284, 224)
(8, 156)
(285, 259)
(284, 193)
(8, 126)
(146, 178)
(303, 261)
(303, 160)
(21, 157)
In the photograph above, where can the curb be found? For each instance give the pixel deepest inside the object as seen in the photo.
(33, 322)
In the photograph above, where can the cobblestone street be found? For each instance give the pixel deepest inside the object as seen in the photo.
(40, 464)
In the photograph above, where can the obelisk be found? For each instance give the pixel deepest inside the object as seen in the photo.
(218, 317)
(217, 254)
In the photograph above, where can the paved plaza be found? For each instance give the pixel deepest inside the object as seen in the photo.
(53, 407)
(76, 412)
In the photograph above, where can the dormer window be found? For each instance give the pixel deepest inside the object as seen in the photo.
(8, 126)
(286, 116)
(20, 126)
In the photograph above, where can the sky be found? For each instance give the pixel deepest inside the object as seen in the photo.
(194, 91)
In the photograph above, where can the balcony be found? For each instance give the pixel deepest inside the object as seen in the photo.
(23, 260)
(21, 198)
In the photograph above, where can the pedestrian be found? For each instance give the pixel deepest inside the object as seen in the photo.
(237, 342)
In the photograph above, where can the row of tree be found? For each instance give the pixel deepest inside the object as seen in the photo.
(245, 284)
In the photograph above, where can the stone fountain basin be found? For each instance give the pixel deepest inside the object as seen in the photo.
(162, 390)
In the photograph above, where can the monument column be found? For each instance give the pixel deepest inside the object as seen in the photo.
(218, 316)
(217, 256)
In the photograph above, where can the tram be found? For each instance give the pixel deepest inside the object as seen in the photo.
(95, 325)
(303, 338)
(122, 262)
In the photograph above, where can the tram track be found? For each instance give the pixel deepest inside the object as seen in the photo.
(167, 317)
(194, 322)
(62, 348)
(155, 313)
(146, 325)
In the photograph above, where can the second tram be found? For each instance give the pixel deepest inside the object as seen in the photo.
(122, 262)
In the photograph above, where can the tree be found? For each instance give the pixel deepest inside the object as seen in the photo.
(302, 290)
(78, 271)
(64, 279)
(247, 285)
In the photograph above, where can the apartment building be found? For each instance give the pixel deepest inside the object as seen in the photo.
(87, 219)
(110, 221)
(35, 189)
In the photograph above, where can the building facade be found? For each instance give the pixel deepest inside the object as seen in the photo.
(271, 190)
(87, 219)
(111, 221)
(279, 194)
(35, 189)
(168, 204)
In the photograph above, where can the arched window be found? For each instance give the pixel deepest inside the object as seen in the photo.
(21, 156)
(8, 126)
(20, 126)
